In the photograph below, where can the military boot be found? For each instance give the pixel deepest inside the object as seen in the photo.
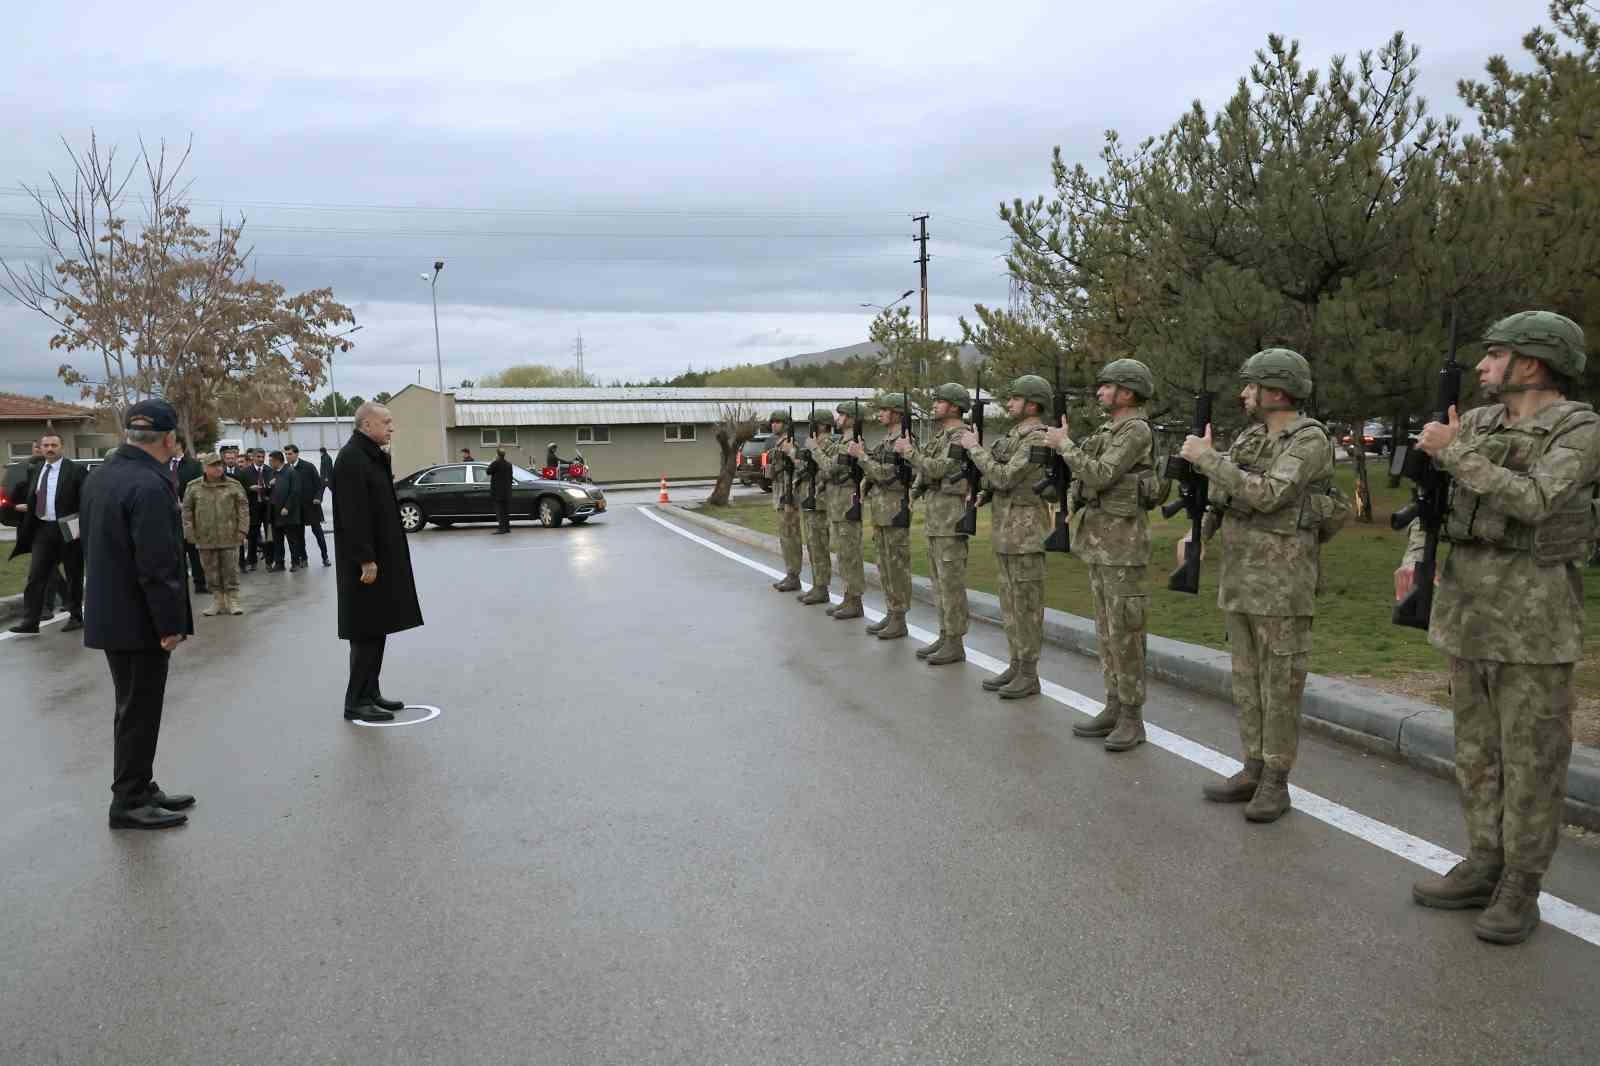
(1271, 799)
(1026, 683)
(1237, 789)
(832, 607)
(896, 627)
(850, 608)
(1129, 733)
(1002, 679)
(789, 583)
(928, 649)
(953, 651)
(874, 627)
(219, 604)
(232, 598)
(1470, 883)
(1513, 913)
(816, 594)
(1101, 724)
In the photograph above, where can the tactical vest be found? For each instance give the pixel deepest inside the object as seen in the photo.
(1323, 508)
(1565, 536)
(1137, 491)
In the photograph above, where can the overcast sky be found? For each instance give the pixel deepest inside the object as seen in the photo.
(701, 183)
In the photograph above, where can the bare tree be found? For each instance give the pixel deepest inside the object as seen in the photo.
(737, 425)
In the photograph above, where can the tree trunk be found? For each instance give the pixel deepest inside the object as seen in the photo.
(1358, 455)
(1397, 438)
(730, 459)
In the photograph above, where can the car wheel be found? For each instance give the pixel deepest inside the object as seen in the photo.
(410, 516)
(550, 514)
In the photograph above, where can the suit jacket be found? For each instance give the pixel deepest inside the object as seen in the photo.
(253, 477)
(189, 469)
(500, 480)
(136, 581)
(68, 492)
(308, 487)
(326, 470)
(285, 500)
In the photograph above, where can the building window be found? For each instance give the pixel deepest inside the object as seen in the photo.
(498, 437)
(679, 432)
(19, 449)
(594, 434)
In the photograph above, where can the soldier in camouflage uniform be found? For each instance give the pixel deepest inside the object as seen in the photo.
(814, 520)
(1112, 488)
(885, 493)
(1020, 521)
(844, 531)
(781, 468)
(944, 493)
(1508, 610)
(1268, 495)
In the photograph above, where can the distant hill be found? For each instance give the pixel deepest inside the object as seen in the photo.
(865, 349)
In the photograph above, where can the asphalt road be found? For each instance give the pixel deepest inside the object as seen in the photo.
(668, 816)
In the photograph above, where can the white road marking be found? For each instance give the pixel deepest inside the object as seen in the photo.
(62, 617)
(1569, 917)
(433, 712)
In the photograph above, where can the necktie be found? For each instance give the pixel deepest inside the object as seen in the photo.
(44, 491)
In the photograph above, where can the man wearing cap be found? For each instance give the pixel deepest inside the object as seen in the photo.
(132, 531)
(216, 517)
(944, 494)
(844, 512)
(821, 448)
(885, 489)
(781, 469)
(1508, 610)
(1020, 521)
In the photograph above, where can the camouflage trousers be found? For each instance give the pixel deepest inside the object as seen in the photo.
(846, 537)
(814, 524)
(1513, 742)
(789, 540)
(1270, 656)
(894, 566)
(1022, 603)
(947, 558)
(221, 567)
(1121, 604)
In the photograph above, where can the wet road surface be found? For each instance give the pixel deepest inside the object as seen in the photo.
(666, 815)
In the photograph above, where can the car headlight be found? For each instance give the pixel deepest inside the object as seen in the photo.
(575, 494)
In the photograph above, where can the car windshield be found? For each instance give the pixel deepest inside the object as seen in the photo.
(520, 475)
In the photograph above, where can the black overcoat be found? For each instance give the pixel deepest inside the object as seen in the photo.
(67, 502)
(285, 497)
(500, 480)
(136, 586)
(366, 529)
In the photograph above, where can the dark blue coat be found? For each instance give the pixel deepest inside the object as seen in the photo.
(136, 586)
(366, 529)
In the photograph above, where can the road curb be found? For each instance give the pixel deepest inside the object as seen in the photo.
(1417, 732)
(11, 608)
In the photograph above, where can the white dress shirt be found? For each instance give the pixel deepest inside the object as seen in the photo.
(46, 507)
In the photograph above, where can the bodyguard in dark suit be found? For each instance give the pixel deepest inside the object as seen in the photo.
(133, 543)
(284, 500)
(377, 594)
(255, 475)
(185, 470)
(52, 496)
(325, 468)
(308, 486)
(233, 469)
(500, 490)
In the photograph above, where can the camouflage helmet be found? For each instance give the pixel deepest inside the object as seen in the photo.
(851, 408)
(821, 417)
(1279, 368)
(954, 393)
(1553, 339)
(779, 416)
(1130, 374)
(1032, 387)
(891, 401)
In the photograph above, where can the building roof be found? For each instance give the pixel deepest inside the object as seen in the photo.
(632, 406)
(763, 394)
(18, 408)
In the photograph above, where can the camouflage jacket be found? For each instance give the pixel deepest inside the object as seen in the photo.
(882, 490)
(1021, 518)
(1262, 489)
(1512, 480)
(215, 513)
(1110, 525)
(835, 477)
(939, 482)
(782, 468)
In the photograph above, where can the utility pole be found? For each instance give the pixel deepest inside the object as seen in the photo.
(578, 349)
(922, 240)
(438, 359)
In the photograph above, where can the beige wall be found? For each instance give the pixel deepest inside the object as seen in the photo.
(416, 429)
(78, 440)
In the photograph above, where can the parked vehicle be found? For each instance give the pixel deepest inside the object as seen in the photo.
(752, 465)
(459, 492)
(574, 469)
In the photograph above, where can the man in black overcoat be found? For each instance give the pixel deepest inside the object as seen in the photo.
(132, 533)
(308, 486)
(288, 528)
(48, 508)
(377, 594)
(500, 490)
(325, 468)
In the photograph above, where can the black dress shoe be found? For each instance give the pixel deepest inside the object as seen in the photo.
(72, 625)
(326, 561)
(146, 817)
(379, 700)
(367, 712)
(176, 801)
(26, 630)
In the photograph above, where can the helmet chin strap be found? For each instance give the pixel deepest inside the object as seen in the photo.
(1504, 388)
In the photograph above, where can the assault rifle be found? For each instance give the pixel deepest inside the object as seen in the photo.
(968, 525)
(1059, 477)
(853, 514)
(808, 464)
(902, 468)
(1194, 495)
(1430, 499)
(787, 499)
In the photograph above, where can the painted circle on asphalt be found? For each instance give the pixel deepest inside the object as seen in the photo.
(433, 712)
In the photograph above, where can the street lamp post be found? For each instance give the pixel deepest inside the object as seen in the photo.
(438, 359)
(333, 392)
(891, 303)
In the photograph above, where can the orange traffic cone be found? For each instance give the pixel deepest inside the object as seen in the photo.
(663, 497)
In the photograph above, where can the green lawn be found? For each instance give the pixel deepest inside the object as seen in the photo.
(1354, 637)
(13, 572)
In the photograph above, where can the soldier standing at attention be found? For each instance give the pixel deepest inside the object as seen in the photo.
(815, 522)
(1263, 491)
(1111, 534)
(1020, 520)
(844, 531)
(1508, 610)
(887, 499)
(940, 485)
(780, 466)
